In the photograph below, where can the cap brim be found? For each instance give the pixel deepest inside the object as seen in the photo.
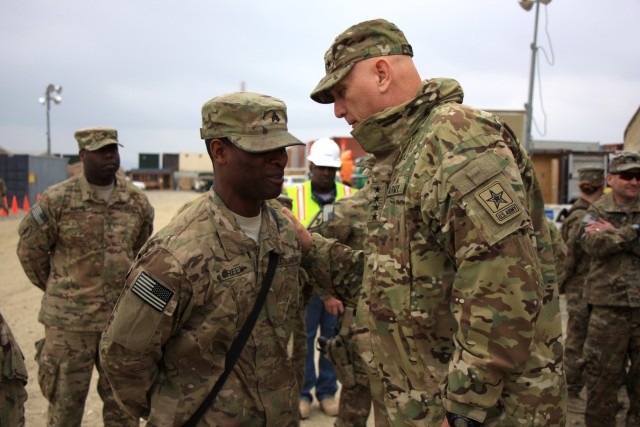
(263, 143)
(624, 168)
(322, 92)
(103, 143)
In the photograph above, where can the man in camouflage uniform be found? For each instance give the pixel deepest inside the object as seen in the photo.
(164, 348)
(3, 194)
(346, 221)
(459, 293)
(590, 186)
(560, 251)
(76, 244)
(611, 237)
(13, 379)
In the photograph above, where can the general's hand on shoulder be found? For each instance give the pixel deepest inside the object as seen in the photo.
(306, 239)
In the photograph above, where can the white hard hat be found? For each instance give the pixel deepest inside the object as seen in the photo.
(325, 152)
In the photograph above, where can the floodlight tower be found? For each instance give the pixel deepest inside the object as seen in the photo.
(527, 5)
(51, 94)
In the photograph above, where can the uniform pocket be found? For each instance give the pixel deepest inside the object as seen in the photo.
(48, 367)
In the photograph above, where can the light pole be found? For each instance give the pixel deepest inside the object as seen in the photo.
(51, 94)
(527, 5)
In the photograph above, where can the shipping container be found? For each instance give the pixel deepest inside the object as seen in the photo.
(30, 176)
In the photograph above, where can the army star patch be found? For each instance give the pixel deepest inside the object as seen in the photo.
(151, 291)
(495, 200)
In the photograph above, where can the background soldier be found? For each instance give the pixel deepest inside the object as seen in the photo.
(308, 199)
(346, 221)
(3, 194)
(76, 244)
(194, 284)
(459, 291)
(13, 379)
(612, 240)
(590, 186)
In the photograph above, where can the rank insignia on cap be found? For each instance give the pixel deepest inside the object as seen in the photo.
(275, 118)
(151, 291)
(500, 205)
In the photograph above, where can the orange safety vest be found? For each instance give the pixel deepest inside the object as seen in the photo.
(305, 207)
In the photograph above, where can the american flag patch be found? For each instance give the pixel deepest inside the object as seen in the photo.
(39, 215)
(151, 291)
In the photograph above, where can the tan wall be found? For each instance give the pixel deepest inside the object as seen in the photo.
(515, 119)
(632, 134)
(547, 169)
(194, 162)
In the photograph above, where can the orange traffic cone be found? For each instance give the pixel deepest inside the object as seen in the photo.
(2, 211)
(38, 196)
(25, 203)
(14, 205)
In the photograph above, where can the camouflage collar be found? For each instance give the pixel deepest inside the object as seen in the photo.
(386, 131)
(234, 241)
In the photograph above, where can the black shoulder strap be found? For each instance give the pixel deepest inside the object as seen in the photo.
(239, 342)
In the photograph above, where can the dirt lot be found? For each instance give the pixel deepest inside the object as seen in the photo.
(20, 303)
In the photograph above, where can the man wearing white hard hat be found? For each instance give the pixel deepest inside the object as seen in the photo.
(309, 198)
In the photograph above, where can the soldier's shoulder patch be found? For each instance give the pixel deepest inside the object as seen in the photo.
(39, 215)
(151, 291)
(326, 214)
(496, 200)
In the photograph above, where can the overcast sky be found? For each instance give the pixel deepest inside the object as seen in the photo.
(146, 67)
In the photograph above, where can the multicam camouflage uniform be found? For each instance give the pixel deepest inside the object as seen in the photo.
(194, 284)
(560, 251)
(577, 268)
(347, 223)
(13, 379)
(3, 194)
(77, 248)
(209, 272)
(613, 292)
(460, 294)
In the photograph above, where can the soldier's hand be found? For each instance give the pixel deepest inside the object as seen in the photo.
(306, 240)
(333, 306)
(598, 226)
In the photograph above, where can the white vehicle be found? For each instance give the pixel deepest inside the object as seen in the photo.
(141, 185)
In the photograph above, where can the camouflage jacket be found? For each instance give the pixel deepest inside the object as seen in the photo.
(577, 265)
(560, 251)
(12, 365)
(614, 276)
(3, 188)
(77, 248)
(163, 355)
(345, 221)
(459, 291)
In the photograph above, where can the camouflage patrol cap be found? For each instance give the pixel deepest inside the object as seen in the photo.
(253, 122)
(361, 41)
(591, 174)
(94, 138)
(624, 161)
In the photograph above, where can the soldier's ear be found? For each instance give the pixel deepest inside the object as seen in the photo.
(219, 150)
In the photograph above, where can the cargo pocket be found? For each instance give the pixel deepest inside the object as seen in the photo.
(48, 366)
